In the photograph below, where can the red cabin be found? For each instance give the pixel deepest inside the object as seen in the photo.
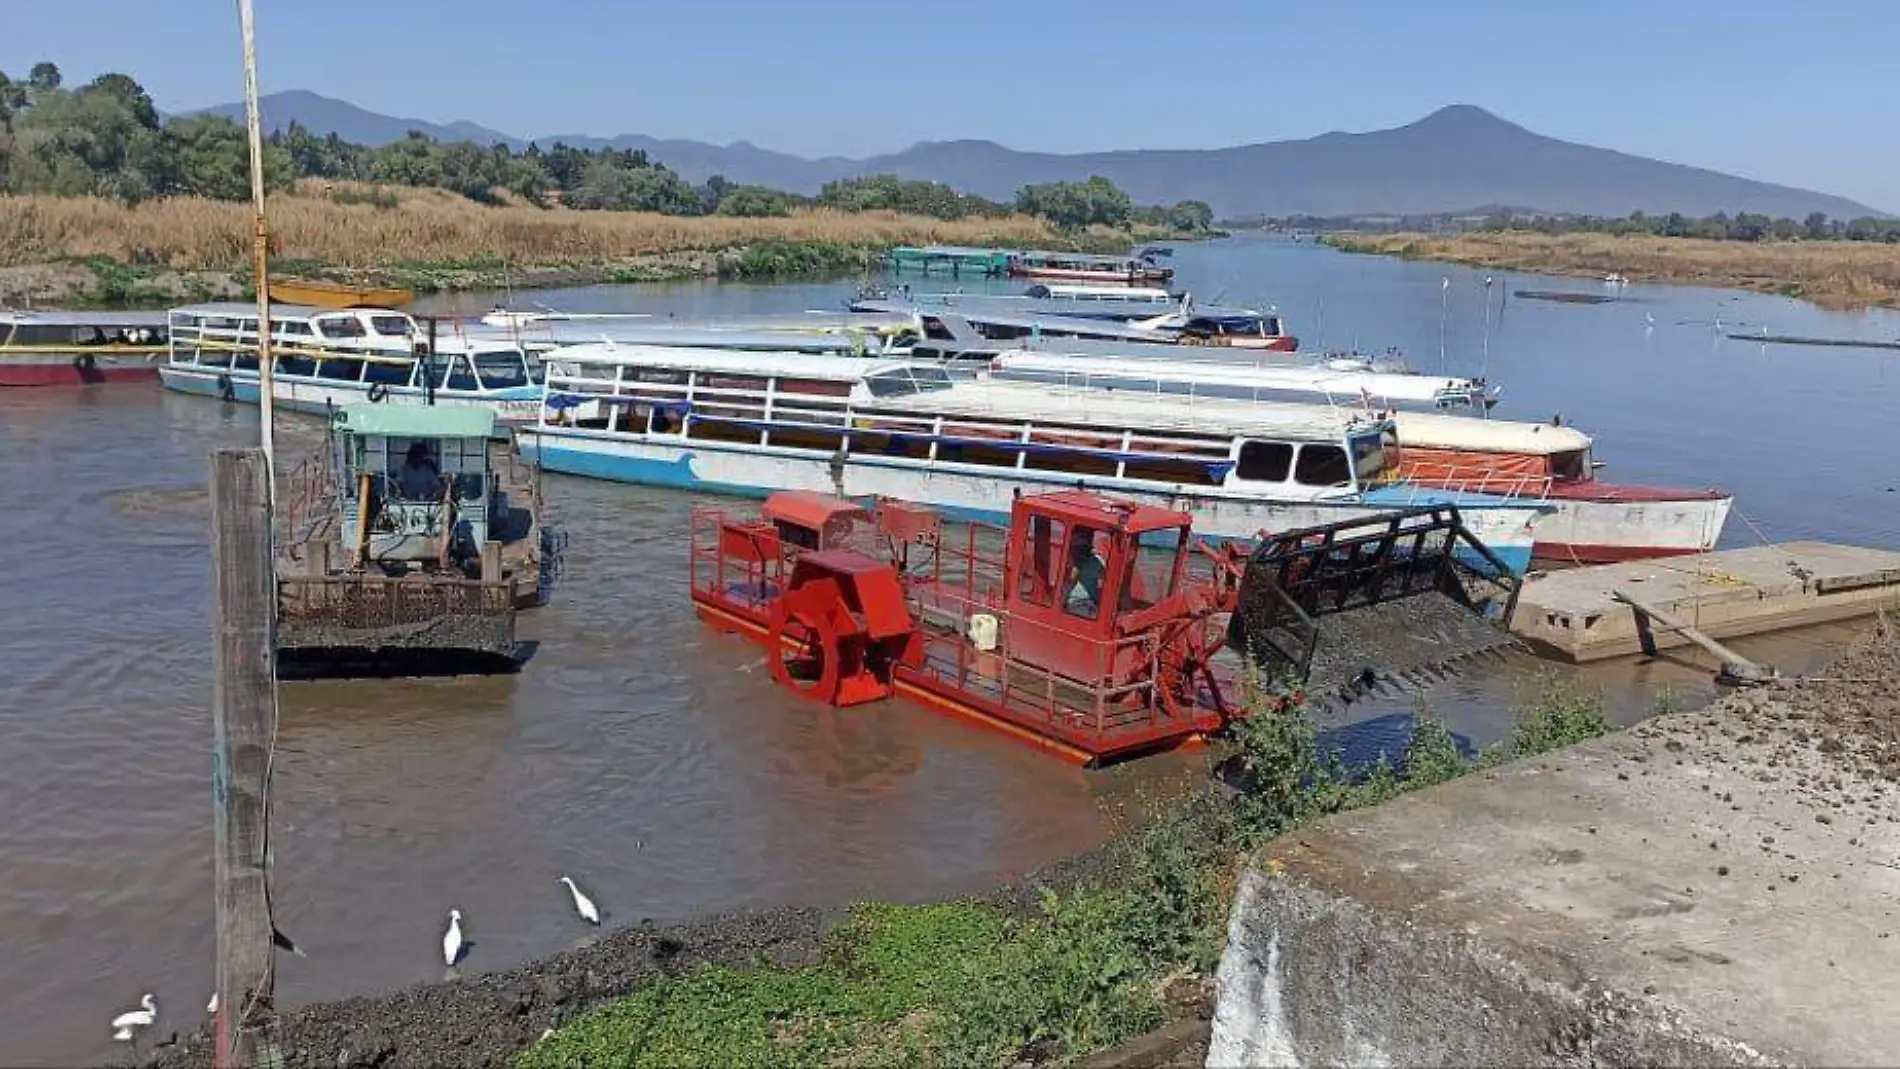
(1076, 629)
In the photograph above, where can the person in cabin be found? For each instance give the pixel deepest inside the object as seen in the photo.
(420, 479)
(1083, 587)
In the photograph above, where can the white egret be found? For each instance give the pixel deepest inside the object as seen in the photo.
(125, 1023)
(582, 904)
(452, 939)
(212, 1006)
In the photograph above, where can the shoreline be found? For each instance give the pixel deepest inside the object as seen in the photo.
(1837, 275)
(495, 1018)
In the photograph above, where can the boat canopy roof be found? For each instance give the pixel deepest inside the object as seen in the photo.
(1135, 409)
(1077, 257)
(248, 310)
(782, 364)
(418, 421)
(1433, 431)
(58, 317)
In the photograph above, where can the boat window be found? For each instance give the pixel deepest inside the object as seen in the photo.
(1153, 575)
(460, 376)
(501, 370)
(1368, 456)
(340, 370)
(1266, 462)
(891, 384)
(729, 382)
(663, 375)
(387, 372)
(397, 326)
(1042, 561)
(1271, 326)
(816, 387)
(341, 327)
(1570, 466)
(296, 365)
(1322, 465)
(1084, 573)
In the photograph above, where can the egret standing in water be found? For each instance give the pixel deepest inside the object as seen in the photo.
(126, 1023)
(452, 939)
(582, 904)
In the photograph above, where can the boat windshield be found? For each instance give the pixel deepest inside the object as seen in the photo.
(341, 327)
(908, 380)
(502, 369)
(396, 326)
(1368, 456)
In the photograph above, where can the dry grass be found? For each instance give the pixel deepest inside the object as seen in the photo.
(1837, 273)
(189, 234)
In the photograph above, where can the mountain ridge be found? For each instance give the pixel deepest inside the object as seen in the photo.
(1455, 157)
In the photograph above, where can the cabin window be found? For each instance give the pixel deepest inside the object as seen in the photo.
(1070, 461)
(1322, 465)
(1062, 561)
(1368, 456)
(396, 326)
(296, 365)
(814, 387)
(1153, 576)
(461, 377)
(387, 372)
(245, 361)
(290, 327)
(340, 370)
(341, 327)
(1265, 462)
(1571, 466)
(1182, 471)
(707, 381)
(501, 370)
(662, 375)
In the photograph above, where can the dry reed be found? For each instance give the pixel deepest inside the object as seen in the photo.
(191, 234)
(1837, 273)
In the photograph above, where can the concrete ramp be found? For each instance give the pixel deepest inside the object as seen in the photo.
(1709, 888)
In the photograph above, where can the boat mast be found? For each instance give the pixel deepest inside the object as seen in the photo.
(260, 247)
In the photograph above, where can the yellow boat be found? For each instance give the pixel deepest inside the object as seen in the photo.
(324, 294)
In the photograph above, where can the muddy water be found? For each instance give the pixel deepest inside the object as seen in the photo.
(646, 757)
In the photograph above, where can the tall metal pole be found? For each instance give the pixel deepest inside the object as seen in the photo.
(260, 247)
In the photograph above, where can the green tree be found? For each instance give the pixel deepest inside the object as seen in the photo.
(413, 161)
(1191, 215)
(1814, 228)
(1074, 205)
(213, 159)
(43, 78)
(755, 201)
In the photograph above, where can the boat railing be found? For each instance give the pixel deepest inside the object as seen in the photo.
(1473, 479)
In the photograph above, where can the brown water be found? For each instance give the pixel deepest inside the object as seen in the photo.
(650, 759)
(640, 753)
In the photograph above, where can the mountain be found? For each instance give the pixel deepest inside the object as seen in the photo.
(324, 115)
(1449, 161)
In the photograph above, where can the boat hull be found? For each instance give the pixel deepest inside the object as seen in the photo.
(74, 371)
(972, 492)
(1608, 523)
(512, 407)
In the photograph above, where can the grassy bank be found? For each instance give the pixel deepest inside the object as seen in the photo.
(1074, 971)
(87, 249)
(1839, 274)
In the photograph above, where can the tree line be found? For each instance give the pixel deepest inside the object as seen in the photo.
(105, 138)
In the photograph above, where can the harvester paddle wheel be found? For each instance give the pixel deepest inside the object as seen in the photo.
(840, 629)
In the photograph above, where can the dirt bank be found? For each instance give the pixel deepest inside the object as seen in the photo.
(1840, 274)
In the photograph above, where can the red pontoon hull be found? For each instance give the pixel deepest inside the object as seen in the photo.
(68, 372)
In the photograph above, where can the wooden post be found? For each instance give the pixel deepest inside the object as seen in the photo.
(243, 724)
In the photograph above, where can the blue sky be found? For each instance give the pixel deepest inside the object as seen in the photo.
(1796, 92)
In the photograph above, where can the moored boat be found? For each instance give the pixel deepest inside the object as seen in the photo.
(1593, 521)
(1083, 267)
(324, 359)
(321, 293)
(748, 424)
(52, 347)
(1336, 382)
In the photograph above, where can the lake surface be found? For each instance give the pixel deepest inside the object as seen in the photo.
(654, 761)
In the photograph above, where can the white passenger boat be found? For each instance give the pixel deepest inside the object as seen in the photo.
(750, 424)
(1337, 382)
(325, 358)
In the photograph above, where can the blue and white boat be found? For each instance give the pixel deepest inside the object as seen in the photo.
(324, 358)
(754, 423)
